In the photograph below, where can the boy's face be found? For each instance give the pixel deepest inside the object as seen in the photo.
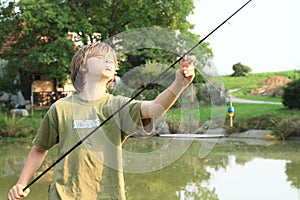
(102, 66)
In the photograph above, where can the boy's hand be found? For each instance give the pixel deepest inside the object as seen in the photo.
(16, 192)
(186, 72)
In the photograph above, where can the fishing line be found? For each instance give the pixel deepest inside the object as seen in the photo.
(132, 98)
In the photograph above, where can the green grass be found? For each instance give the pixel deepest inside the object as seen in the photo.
(241, 110)
(254, 110)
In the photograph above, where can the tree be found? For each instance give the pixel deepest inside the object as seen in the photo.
(291, 95)
(41, 44)
(41, 31)
(240, 70)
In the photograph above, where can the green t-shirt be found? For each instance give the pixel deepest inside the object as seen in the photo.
(94, 169)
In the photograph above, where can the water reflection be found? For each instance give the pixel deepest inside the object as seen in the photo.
(234, 169)
(256, 179)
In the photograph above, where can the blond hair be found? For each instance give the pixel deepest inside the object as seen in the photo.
(79, 62)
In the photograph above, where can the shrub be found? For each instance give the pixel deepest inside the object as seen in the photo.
(281, 126)
(291, 95)
(240, 69)
(14, 126)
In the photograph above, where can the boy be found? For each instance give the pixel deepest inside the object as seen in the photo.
(89, 173)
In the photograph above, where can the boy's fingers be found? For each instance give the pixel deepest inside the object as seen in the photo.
(20, 190)
(192, 59)
(17, 192)
(26, 192)
(15, 195)
(184, 55)
(189, 71)
(187, 64)
(186, 61)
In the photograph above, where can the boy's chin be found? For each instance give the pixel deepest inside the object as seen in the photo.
(106, 77)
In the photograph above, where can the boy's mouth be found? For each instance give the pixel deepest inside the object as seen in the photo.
(108, 68)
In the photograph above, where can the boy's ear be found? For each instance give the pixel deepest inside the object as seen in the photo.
(83, 68)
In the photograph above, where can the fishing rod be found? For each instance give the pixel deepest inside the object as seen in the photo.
(132, 98)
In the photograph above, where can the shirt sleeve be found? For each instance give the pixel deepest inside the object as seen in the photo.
(130, 117)
(47, 134)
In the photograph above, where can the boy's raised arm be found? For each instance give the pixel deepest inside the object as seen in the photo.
(184, 76)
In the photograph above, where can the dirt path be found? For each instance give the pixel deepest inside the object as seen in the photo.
(239, 100)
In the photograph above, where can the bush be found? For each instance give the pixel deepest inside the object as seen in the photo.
(281, 126)
(15, 126)
(291, 95)
(240, 70)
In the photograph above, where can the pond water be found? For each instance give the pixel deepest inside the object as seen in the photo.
(233, 169)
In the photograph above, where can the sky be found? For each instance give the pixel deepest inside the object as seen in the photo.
(264, 35)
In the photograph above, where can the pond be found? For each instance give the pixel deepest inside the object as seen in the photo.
(232, 169)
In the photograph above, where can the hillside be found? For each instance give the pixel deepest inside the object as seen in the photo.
(252, 80)
(259, 86)
(271, 87)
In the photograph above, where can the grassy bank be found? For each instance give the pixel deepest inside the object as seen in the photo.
(281, 121)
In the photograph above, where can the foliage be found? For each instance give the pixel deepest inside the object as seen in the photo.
(240, 70)
(281, 126)
(12, 126)
(15, 126)
(43, 33)
(157, 45)
(291, 95)
(7, 82)
(142, 76)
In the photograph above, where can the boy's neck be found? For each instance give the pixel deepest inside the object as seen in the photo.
(93, 92)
